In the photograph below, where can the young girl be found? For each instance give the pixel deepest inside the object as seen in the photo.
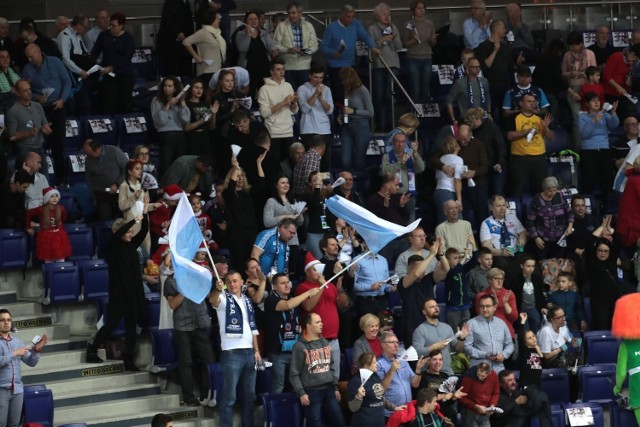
(132, 197)
(529, 355)
(204, 220)
(52, 241)
(201, 257)
(203, 118)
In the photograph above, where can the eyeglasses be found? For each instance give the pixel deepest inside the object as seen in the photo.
(604, 251)
(392, 342)
(486, 306)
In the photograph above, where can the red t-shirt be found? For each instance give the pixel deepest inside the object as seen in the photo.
(327, 308)
(376, 346)
(591, 87)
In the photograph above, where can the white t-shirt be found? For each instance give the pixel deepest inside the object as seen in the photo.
(621, 178)
(246, 341)
(549, 340)
(446, 182)
(242, 77)
(490, 229)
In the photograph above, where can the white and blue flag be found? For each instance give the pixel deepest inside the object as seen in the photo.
(193, 280)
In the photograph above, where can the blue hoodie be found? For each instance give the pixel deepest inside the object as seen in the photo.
(596, 135)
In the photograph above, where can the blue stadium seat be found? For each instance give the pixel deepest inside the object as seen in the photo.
(101, 309)
(69, 203)
(132, 130)
(100, 128)
(153, 313)
(263, 382)
(559, 142)
(282, 410)
(596, 411)
(61, 282)
(94, 278)
(621, 417)
(81, 237)
(555, 382)
(394, 302)
(34, 387)
(38, 407)
(557, 417)
(215, 381)
(600, 347)
(14, 249)
(74, 177)
(164, 356)
(514, 206)
(145, 64)
(595, 383)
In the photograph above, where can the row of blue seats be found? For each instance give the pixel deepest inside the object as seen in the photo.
(37, 406)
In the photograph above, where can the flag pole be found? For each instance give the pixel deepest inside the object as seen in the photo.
(213, 264)
(357, 260)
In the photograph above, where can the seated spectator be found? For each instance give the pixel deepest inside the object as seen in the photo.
(422, 411)
(364, 397)
(12, 193)
(483, 391)
(240, 80)
(160, 218)
(296, 152)
(434, 335)
(556, 342)
(397, 375)
(520, 404)
(419, 244)
(502, 233)
(347, 191)
(369, 342)
(454, 232)
(529, 291)
(477, 276)
(8, 78)
(104, 171)
(489, 341)
(570, 301)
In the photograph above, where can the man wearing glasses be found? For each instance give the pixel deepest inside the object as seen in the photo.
(469, 91)
(12, 351)
(489, 339)
(282, 326)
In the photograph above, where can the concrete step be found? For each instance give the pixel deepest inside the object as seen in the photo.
(8, 297)
(192, 422)
(42, 374)
(62, 358)
(90, 384)
(126, 412)
(54, 332)
(71, 343)
(104, 394)
(23, 308)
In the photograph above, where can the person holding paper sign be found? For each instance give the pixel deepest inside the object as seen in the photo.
(11, 386)
(212, 48)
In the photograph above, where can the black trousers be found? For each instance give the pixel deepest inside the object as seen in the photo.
(130, 337)
(116, 94)
(190, 345)
(527, 172)
(596, 166)
(58, 120)
(173, 144)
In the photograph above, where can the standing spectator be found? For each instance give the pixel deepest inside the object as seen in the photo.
(397, 375)
(26, 123)
(176, 24)
(365, 400)
(347, 191)
(256, 50)
(476, 28)
(316, 106)
(78, 61)
(309, 163)
(474, 182)
(116, 47)
(317, 225)
(272, 249)
(191, 324)
(170, 115)
(511, 103)
(601, 260)
(52, 241)
(29, 35)
(33, 194)
(528, 289)
(355, 134)
(616, 81)
(130, 193)
(483, 391)
(239, 341)
(278, 102)
(502, 232)
(490, 135)
(12, 211)
(46, 72)
(596, 163)
(126, 294)
(602, 48)
(191, 173)
(369, 342)
(295, 39)
(405, 166)
(223, 7)
(101, 23)
(477, 276)
(448, 187)
(282, 327)
(296, 152)
(339, 47)
(386, 36)
(454, 231)
(548, 74)
(16, 352)
(104, 170)
(388, 204)
(212, 48)
(8, 78)
(419, 244)
(6, 42)
(370, 287)
(434, 335)
(527, 133)
(570, 301)
(489, 341)
(202, 121)
(574, 65)
(419, 37)
(518, 33)
(312, 375)
(497, 63)
(507, 305)
(469, 91)
(549, 218)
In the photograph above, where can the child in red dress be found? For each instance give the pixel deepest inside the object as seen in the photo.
(52, 241)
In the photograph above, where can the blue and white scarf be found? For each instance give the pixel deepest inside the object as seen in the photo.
(483, 95)
(233, 320)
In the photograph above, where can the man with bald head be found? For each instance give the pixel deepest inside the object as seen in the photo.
(33, 195)
(46, 73)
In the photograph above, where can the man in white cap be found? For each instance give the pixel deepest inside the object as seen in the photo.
(324, 303)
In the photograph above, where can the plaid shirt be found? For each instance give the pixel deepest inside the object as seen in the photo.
(310, 162)
(548, 219)
(297, 34)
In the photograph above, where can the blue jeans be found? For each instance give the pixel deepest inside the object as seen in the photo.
(533, 320)
(382, 97)
(296, 78)
(279, 375)
(238, 366)
(323, 400)
(355, 137)
(11, 408)
(419, 76)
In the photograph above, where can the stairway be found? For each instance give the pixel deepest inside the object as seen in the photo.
(96, 394)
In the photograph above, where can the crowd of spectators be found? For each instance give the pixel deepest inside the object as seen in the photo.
(286, 291)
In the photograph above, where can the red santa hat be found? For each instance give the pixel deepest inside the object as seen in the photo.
(48, 192)
(202, 248)
(172, 192)
(310, 261)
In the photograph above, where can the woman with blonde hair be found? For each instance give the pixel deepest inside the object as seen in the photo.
(448, 187)
(355, 133)
(369, 341)
(241, 220)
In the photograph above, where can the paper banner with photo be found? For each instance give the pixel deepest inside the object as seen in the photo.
(71, 128)
(431, 109)
(135, 124)
(375, 148)
(621, 38)
(77, 162)
(445, 74)
(588, 38)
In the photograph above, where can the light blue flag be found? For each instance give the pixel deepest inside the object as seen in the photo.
(193, 280)
(377, 232)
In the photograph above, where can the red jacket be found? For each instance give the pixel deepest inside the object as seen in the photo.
(484, 393)
(628, 224)
(615, 69)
